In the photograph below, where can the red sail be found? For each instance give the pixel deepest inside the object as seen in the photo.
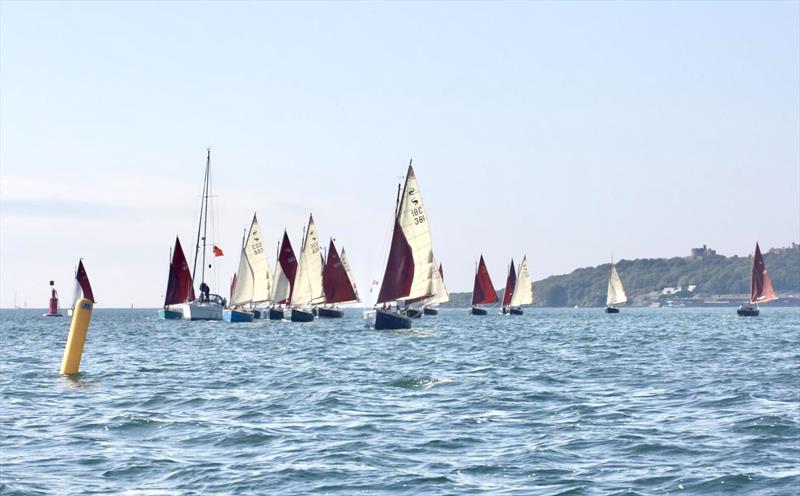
(288, 263)
(179, 285)
(441, 272)
(511, 282)
(83, 281)
(399, 274)
(761, 290)
(335, 283)
(483, 292)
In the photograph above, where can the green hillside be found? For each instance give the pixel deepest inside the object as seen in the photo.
(645, 278)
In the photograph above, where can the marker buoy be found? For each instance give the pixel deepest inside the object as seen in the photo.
(77, 336)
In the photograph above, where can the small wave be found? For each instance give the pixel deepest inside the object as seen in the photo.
(409, 383)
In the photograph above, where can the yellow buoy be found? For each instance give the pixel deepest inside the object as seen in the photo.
(77, 336)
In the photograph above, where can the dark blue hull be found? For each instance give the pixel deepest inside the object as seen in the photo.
(479, 311)
(276, 314)
(236, 316)
(387, 319)
(612, 310)
(302, 316)
(515, 311)
(430, 311)
(331, 313)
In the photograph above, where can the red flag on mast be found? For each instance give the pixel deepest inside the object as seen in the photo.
(217, 251)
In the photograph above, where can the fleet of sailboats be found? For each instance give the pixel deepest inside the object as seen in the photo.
(761, 290)
(317, 284)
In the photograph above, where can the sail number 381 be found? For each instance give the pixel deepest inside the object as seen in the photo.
(419, 215)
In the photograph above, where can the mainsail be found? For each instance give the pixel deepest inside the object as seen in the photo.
(761, 290)
(257, 257)
(179, 285)
(346, 264)
(285, 271)
(440, 294)
(243, 282)
(616, 293)
(511, 283)
(483, 292)
(307, 288)
(336, 282)
(408, 271)
(523, 290)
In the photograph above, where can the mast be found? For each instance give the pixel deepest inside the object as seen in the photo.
(205, 214)
(203, 208)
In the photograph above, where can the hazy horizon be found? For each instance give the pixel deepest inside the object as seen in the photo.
(564, 131)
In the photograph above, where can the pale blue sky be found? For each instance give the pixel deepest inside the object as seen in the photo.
(562, 130)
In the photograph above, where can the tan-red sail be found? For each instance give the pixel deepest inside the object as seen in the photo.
(399, 272)
(335, 282)
(179, 286)
(511, 282)
(288, 265)
(83, 282)
(761, 290)
(483, 292)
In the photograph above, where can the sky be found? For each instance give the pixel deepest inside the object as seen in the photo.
(566, 131)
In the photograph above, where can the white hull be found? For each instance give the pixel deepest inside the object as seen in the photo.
(200, 311)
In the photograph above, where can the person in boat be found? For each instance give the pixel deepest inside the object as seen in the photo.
(204, 292)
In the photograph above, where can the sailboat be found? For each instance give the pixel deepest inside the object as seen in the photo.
(616, 293)
(440, 294)
(336, 284)
(253, 281)
(511, 283)
(307, 290)
(83, 289)
(52, 309)
(522, 290)
(483, 292)
(761, 290)
(285, 271)
(179, 285)
(209, 306)
(408, 274)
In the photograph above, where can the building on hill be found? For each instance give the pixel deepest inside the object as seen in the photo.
(785, 249)
(703, 252)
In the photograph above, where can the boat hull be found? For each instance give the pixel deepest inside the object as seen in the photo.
(169, 314)
(258, 314)
(230, 315)
(330, 313)
(276, 314)
(201, 311)
(388, 320)
(302, 316)
(748, 311)
(516, 311)
(430, 311)
(478, 311)
(612, 310)
(412, 313)
(52, 315)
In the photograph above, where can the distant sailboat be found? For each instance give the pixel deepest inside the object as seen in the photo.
(179, 285)
(253, 281)
(408, 276)
(209, 306)
(307, 290)
(52, 309)
(523, 289)
(761, 290)
(483, 292)
(285, 271)
(336, 284)
(440, 294)
(511, 283)
(616, 293)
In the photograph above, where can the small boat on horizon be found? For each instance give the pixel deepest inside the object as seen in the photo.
(307, 291)
(761, 290)
(408, 276)
(519, 290)
(252, 283)
(483, 292)
(616, 293)
(337, 283)
(440, 293)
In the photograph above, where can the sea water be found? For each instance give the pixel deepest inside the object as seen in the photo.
(558, 401)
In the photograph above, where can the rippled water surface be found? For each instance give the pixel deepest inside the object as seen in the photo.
(567, 401)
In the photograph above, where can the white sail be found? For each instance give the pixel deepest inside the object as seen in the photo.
(346, 264)
(257, 257)
(439, 290)
(414, 223)
(616, 293)
(242, 293)
(308, 281)
(523, 290)
(281, 285)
